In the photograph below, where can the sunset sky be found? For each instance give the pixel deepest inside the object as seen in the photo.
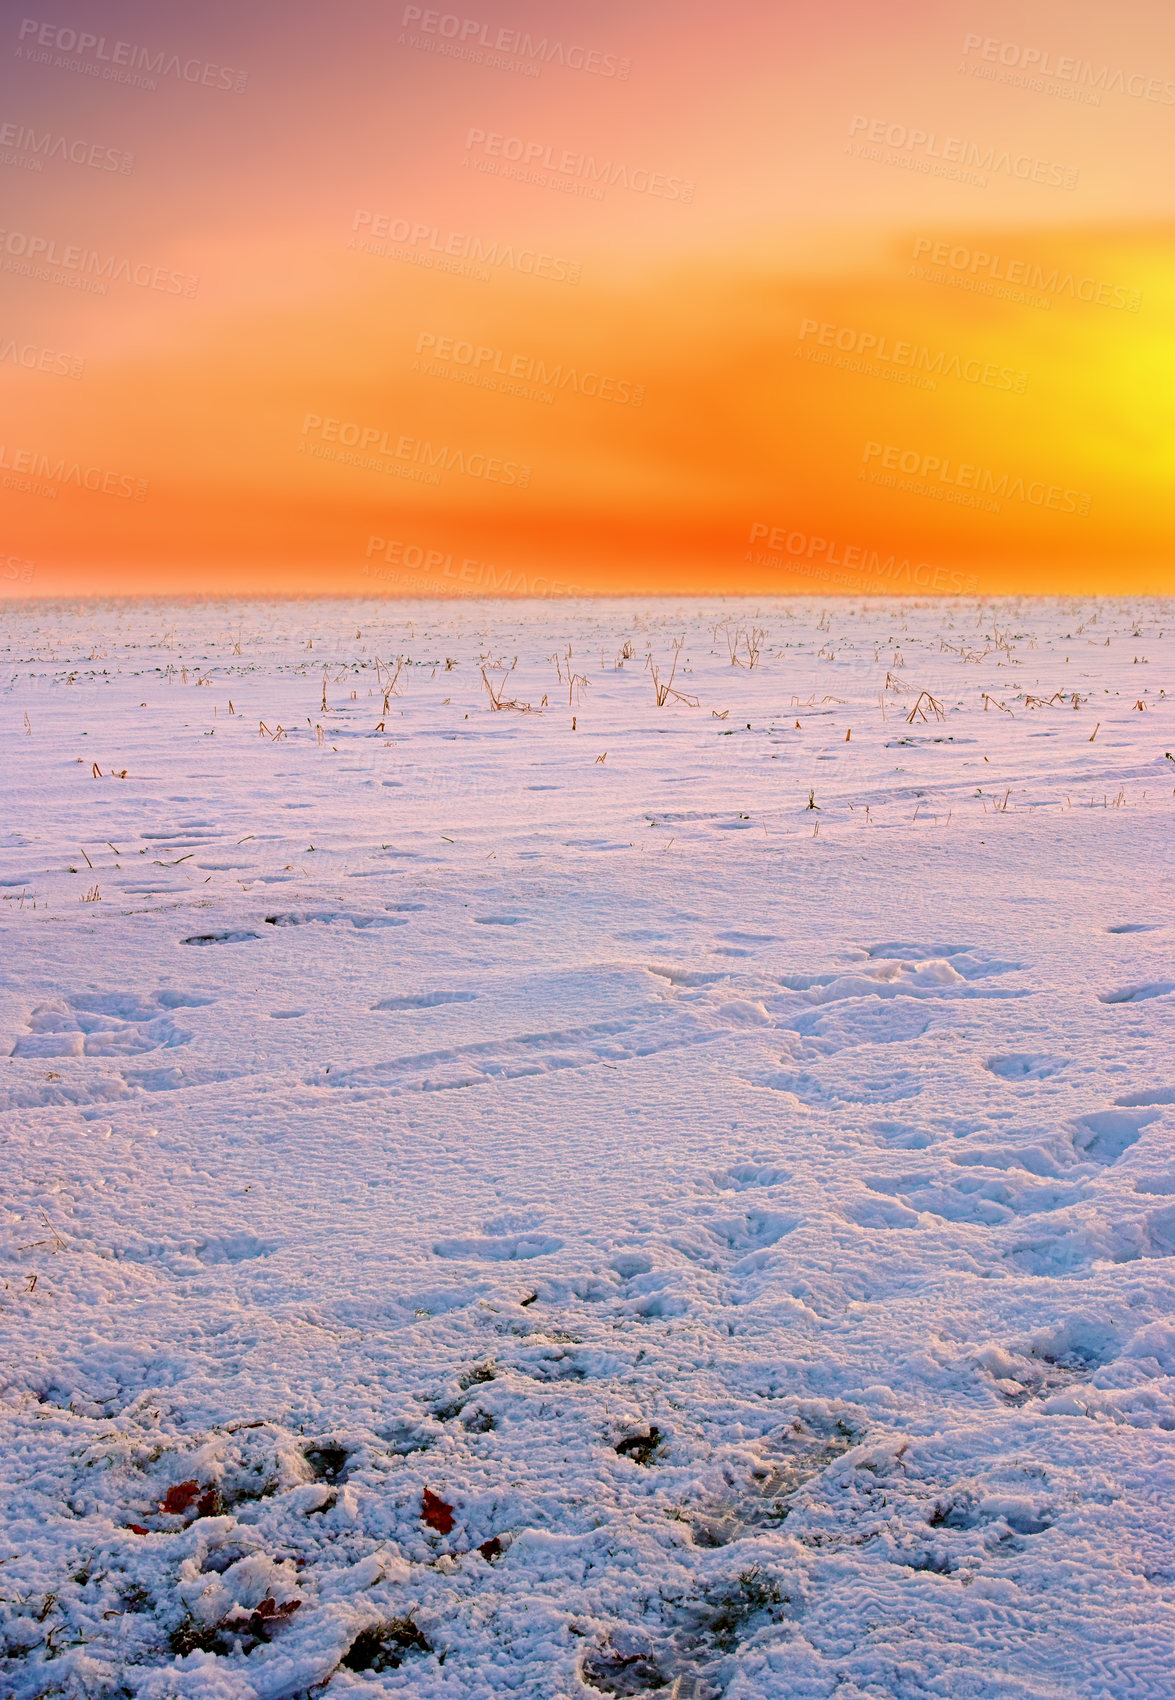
(748, 299)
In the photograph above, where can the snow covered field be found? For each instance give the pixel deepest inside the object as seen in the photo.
(497, 1209)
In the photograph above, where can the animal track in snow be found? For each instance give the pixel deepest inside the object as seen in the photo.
(106, 1024)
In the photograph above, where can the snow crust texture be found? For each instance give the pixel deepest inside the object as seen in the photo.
(592, 1196)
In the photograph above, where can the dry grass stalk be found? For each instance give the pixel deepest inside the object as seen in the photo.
(923, 702)
(391, 686)
(498, 703)
(748, 638)
(663, 688)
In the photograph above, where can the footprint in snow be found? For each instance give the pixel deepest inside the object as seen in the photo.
(966, 961)
(1156, 1186)
(986, 1200)
(220, 938)
(1106, 1135)
(1023, 1065)
(898, 951)
(507, 1248)
(328, 917)
(106, 1024)
(1138, 994)
(858, 1089)
(1151, 1095)
(742, 1176)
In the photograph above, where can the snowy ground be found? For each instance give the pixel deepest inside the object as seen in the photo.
(498, 1209)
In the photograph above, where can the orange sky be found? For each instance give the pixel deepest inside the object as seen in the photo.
(760, 301)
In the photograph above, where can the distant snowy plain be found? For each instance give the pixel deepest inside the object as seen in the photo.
(682, 1205)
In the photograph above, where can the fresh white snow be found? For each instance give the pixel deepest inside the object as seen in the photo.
(497, 1209)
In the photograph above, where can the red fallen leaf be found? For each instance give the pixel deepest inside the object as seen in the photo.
(435, 1512)
(177, 1499)
(270, 1608)
(138, 1529)
(210, 1503)
(491, 1548)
